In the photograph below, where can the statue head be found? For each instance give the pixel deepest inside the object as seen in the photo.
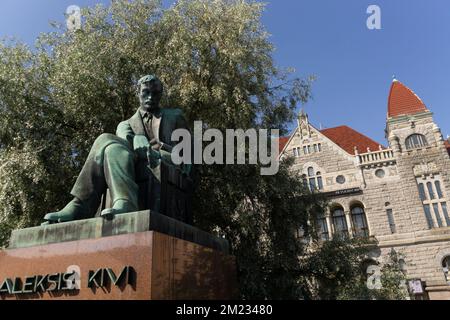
(149, 91)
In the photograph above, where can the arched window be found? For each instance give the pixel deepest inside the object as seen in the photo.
(422, 193)
(359, 222)
(339, 222)
(322, 228)
(315, 181)
(437, 184)
(446, 267)
(416, 141)
(319, 180)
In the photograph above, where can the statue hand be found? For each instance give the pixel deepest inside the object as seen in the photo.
(156, 144)
(141, 146)
(154, 158)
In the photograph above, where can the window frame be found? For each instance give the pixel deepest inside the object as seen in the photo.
(342, 217)
(324, 233)
(313, 179)
(391, 220)
(438, 187)
(432, 193)
(416, 141)
(364, 230)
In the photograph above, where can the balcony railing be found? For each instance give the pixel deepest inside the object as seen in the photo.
(373, 157)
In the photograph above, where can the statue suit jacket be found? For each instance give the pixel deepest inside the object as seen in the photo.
(176, 184)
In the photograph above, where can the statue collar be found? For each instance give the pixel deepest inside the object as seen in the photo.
(150, 114)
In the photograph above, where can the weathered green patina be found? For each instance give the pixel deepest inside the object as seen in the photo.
(135, 165)
(126, 223)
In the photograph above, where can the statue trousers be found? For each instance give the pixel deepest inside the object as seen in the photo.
(110, 164)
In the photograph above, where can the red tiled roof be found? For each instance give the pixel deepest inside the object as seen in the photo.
(347, 138)
(447, 145)
(403, 101)
(282, 143)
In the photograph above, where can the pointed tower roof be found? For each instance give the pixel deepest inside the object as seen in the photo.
(403, 101)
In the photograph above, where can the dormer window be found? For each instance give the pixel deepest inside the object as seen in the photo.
(416, 141)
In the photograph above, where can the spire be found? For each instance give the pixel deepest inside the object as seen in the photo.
(302, 117)
(303, 123)
(403, 101)
(302, 113)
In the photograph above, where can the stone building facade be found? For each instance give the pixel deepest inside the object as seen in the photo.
(398, 193)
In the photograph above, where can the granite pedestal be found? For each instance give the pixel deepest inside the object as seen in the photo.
(140, 255)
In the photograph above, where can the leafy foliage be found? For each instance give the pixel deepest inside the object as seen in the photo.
(215, 60)
(339, 270)
(335, 263)
(393, 278)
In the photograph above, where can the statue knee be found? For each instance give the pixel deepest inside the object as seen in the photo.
(104, 138)
(118, 150)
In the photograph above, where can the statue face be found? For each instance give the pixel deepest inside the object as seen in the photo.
(149, 95)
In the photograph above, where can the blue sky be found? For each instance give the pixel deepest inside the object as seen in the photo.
(327, 38)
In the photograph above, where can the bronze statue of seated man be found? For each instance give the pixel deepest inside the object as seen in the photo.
(135, 165)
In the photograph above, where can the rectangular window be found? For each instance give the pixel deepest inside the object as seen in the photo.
(438, 216)
(391, 221)
(426, 208)
(295, 152)
(430, 190)
(444, 210)
(305, 150)
(315, 148)
(309, 149)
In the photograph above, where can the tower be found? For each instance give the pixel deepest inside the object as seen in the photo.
(422, 159)
(409, 117)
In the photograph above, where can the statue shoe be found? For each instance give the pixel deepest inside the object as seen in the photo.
(71, 211)
(119, 206)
